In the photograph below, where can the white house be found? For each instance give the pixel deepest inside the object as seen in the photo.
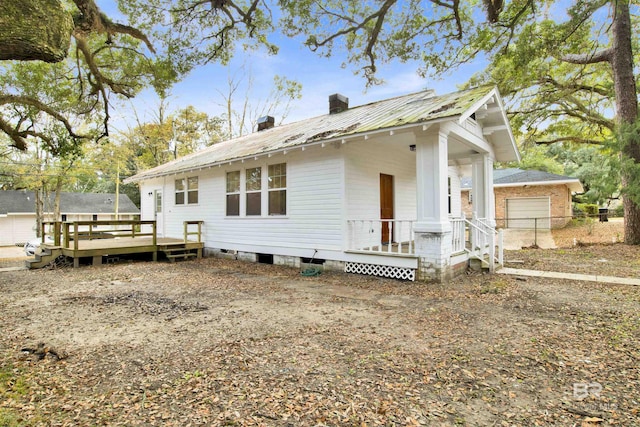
(18, 212)
(373, 189)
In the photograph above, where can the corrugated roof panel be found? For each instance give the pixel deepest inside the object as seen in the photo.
(421, 107)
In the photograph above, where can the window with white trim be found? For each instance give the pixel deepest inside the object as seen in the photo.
(277, 189)
(186, 190)
(233, 193)
(253, 189)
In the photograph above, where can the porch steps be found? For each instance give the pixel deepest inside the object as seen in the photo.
(43, 259)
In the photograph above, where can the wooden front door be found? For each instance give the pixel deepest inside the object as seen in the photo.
(386, 206)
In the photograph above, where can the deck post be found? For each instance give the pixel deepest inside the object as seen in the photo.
(155, 241)
(56, 232)
(66, 234)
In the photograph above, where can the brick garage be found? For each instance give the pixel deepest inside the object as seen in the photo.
(523, 195)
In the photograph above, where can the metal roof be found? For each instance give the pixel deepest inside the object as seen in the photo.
(22, 201)
(414, 109)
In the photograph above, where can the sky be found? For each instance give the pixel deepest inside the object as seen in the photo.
(320, 77)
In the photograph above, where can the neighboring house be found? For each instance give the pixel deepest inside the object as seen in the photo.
(528, 198)
(18, 211)
(340, 187)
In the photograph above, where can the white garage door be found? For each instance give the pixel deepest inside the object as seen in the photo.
(525, 212)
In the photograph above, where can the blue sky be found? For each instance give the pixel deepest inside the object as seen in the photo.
(320, 77)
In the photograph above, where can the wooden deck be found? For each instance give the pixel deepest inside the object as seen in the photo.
(90, 239)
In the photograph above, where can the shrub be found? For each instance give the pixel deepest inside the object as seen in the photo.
(585, 209)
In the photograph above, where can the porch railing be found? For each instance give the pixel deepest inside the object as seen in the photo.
(485, 242)
(476, 237)
(367, 235)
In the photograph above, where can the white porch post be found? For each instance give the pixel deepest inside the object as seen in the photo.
(432, 229)
(484, 205)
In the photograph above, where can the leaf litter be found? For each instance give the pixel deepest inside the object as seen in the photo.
(221, 342)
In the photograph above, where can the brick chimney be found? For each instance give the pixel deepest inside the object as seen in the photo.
(266, 122)
(338, 103)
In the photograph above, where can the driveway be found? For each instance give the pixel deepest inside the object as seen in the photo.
(12, 256)
(516, 239)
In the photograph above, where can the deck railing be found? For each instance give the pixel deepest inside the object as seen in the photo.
(92, 230)
(64, 233)
(188, 225)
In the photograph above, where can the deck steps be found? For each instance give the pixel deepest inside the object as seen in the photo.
(179, 252)
(47, 255)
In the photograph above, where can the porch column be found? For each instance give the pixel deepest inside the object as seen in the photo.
(484, 205)
(432, 229)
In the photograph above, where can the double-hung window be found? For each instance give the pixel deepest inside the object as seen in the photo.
(278, 189)
(248, 190)
(253, 188)
(186, 190)
(233, 193)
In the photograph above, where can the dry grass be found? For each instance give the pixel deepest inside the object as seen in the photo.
(588, 232)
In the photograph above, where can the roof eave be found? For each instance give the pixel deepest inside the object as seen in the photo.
(303, 145)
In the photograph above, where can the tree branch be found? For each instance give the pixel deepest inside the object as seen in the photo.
(604, 55)
(25, 100)
(575, 139)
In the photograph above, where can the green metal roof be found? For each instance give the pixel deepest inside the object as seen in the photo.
(414, 109)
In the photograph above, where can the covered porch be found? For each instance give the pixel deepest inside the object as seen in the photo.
(473, 238)
(417, 213)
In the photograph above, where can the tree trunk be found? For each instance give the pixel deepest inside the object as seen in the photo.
(39, 200)
(626, 106)
(34, 30)
(56, 200)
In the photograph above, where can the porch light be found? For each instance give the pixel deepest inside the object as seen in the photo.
(412, 147)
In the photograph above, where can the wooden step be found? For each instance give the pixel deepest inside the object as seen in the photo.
(174, 257)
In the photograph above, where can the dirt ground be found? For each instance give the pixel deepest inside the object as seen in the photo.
(220, 342)
(588, 232)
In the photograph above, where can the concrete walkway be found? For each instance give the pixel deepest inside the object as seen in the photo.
(569, 276)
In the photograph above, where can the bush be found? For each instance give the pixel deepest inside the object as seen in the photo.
(585, 209)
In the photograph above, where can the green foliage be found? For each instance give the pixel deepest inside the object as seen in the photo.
(587, 209)
(597, 167)
(537, 158)
(628, 142)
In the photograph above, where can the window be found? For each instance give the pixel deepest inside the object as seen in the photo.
(449, 193)
(187, 190)
(253, 189)
(192, 190)
(158, 202)
(277, 189)
(233, 193)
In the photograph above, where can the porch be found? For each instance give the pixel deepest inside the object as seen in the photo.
(396, 238)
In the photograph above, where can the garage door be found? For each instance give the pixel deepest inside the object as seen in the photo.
(525, 212)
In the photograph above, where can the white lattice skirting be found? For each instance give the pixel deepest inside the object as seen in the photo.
(381, 270)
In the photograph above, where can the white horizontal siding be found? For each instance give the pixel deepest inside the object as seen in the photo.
(314, 206)
(366, 161)
(17, 229)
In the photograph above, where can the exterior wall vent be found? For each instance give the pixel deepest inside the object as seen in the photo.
(338, 103)
(266, 122)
